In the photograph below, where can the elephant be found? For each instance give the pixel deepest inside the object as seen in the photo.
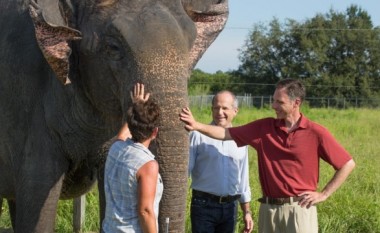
(66, 70)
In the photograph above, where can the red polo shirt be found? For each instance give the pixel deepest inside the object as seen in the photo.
(288, 163)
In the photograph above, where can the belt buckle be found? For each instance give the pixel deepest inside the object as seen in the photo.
(224, 199)
(281, 201)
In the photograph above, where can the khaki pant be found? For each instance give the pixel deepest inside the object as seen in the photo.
(287, 218)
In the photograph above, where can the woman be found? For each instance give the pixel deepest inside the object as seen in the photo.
(132, 183)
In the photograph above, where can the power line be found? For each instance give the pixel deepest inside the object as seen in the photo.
(312, 29)
(270, 84)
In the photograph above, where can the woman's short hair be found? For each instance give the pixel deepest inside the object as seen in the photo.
(142, 119)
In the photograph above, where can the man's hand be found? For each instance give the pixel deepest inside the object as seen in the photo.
(311, 198)
(248, 223)
(138, 93)
(187, 117)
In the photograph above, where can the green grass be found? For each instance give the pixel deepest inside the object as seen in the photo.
(354, 208)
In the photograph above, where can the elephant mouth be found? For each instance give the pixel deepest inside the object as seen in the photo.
(203, 17)
(209, 21)
(209, 15)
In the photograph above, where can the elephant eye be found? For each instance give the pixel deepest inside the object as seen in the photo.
(113, 50)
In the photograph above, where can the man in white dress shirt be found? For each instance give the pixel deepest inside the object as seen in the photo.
(219, 173)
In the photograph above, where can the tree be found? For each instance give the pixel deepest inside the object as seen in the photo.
(337, 54)
(261, 58)
(199, 83)
(202, 83)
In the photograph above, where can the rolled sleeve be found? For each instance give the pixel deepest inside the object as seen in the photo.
(244, 184)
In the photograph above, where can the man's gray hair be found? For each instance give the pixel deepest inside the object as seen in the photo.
(236, 101)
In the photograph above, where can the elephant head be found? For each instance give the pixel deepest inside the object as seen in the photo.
(97, 50)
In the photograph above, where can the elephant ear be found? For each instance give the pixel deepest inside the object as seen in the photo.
(53, 36)
(210, 17)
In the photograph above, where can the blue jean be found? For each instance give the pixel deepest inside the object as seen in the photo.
(209, 216)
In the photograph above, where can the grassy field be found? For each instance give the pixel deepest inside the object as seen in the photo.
(354, 208)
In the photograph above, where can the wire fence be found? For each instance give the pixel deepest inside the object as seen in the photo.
(315, 102)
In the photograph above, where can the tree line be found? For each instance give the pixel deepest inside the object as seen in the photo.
(336, 54)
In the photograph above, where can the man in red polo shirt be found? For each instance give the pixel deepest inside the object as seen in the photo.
(288, 148)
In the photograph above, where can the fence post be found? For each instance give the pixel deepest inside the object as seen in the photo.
(270, 100)
(356, 102)
(79, 213)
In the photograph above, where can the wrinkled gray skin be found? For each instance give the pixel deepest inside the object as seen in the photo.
(66, 69)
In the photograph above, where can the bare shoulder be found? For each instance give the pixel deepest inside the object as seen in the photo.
(149, 168)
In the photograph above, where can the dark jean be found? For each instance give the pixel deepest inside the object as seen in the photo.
(209, 216)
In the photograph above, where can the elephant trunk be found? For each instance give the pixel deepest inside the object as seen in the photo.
(172, 154)
(168, 87)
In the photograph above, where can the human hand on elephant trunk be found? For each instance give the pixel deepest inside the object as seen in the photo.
(187, 117)
(139, 94)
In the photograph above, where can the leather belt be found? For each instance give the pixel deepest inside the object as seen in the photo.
(219, 199)
(279, 201)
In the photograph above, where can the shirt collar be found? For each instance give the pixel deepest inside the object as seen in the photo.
(303, 122)
(140, 146)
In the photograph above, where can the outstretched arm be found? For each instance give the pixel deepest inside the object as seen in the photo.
(124, 132)
(213, 131)
(312, 198)
(138, 94)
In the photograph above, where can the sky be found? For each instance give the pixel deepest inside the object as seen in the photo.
(223, 53)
